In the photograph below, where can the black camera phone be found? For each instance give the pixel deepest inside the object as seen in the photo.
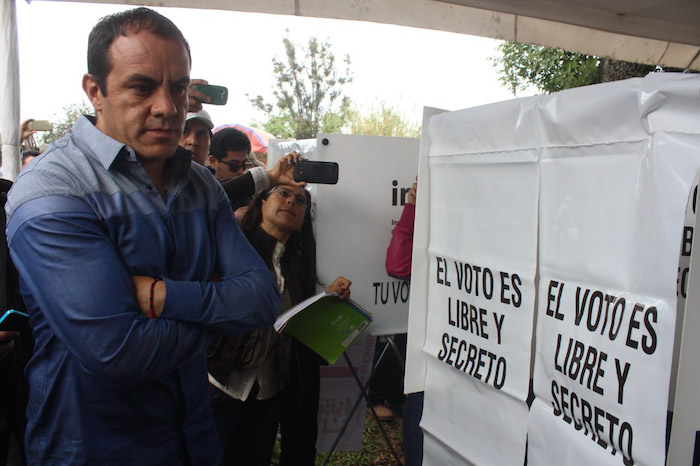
(316, 172)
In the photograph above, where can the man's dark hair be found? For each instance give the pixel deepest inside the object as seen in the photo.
(120, 24)
(229, 139)
(29, 153)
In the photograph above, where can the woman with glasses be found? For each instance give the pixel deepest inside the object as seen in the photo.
(262, 379)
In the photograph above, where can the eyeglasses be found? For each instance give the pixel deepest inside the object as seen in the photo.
(235, 165)
(299, 199)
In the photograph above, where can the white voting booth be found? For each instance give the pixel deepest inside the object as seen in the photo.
(547, 247)
(353, 223)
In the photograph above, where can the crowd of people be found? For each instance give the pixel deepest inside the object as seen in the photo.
(153, 257)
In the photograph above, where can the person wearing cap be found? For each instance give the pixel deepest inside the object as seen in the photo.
(196, 137)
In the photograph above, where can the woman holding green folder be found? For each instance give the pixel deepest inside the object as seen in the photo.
(260, 380)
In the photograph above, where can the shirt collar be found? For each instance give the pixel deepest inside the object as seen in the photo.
(102, 147)
(106, 149)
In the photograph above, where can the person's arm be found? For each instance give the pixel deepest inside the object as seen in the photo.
(257, 179)
(340, 285)
(71, 272)
(400, 251)
(243, 297)
(194, 97)
(283, 171)
(74, 277)
(25, 132)
(238, 189)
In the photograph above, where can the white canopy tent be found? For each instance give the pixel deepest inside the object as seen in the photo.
(657, 32)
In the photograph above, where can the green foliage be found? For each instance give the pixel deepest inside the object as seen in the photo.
(382, 120)
(549, 70)
(62, 123)
(308, 92)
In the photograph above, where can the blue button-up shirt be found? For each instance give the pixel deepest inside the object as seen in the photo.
(108, 385)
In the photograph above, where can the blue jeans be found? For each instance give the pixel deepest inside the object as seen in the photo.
(412, 433)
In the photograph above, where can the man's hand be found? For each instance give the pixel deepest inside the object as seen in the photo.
(341, 285)
(142, 286)
(412, 194)
(7, 343)
(195, 98)
(283, 171)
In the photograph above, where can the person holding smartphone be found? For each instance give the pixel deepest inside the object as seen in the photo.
(260, 379)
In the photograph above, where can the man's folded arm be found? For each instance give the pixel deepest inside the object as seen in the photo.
(81, 286)
(246, 296)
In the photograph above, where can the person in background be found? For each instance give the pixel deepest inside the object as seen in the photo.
(15, 352)
(230, 157)
(386, 387)
(241, 190)
(28, 156)
(400, 251)
(129, 262)
(229, 152)
(260, 378)
(27, 140)
(196, 137)
(398, 265)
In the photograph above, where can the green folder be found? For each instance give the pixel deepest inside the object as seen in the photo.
(325, 324)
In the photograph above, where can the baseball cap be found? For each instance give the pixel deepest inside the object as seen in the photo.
(254, 160)
(201, 115)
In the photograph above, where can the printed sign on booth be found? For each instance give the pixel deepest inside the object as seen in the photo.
(612, 205)
(481, 294)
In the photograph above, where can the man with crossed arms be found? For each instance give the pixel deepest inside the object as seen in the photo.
(130, 260)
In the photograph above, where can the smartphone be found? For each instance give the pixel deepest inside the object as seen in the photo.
(40, 125)
(217, 94)
(14, 320)
(316, 172)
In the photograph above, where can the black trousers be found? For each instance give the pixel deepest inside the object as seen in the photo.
(299, 421)
(387, 381)
(247, 428)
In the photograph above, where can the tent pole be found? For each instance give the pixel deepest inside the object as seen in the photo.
(9, 90)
